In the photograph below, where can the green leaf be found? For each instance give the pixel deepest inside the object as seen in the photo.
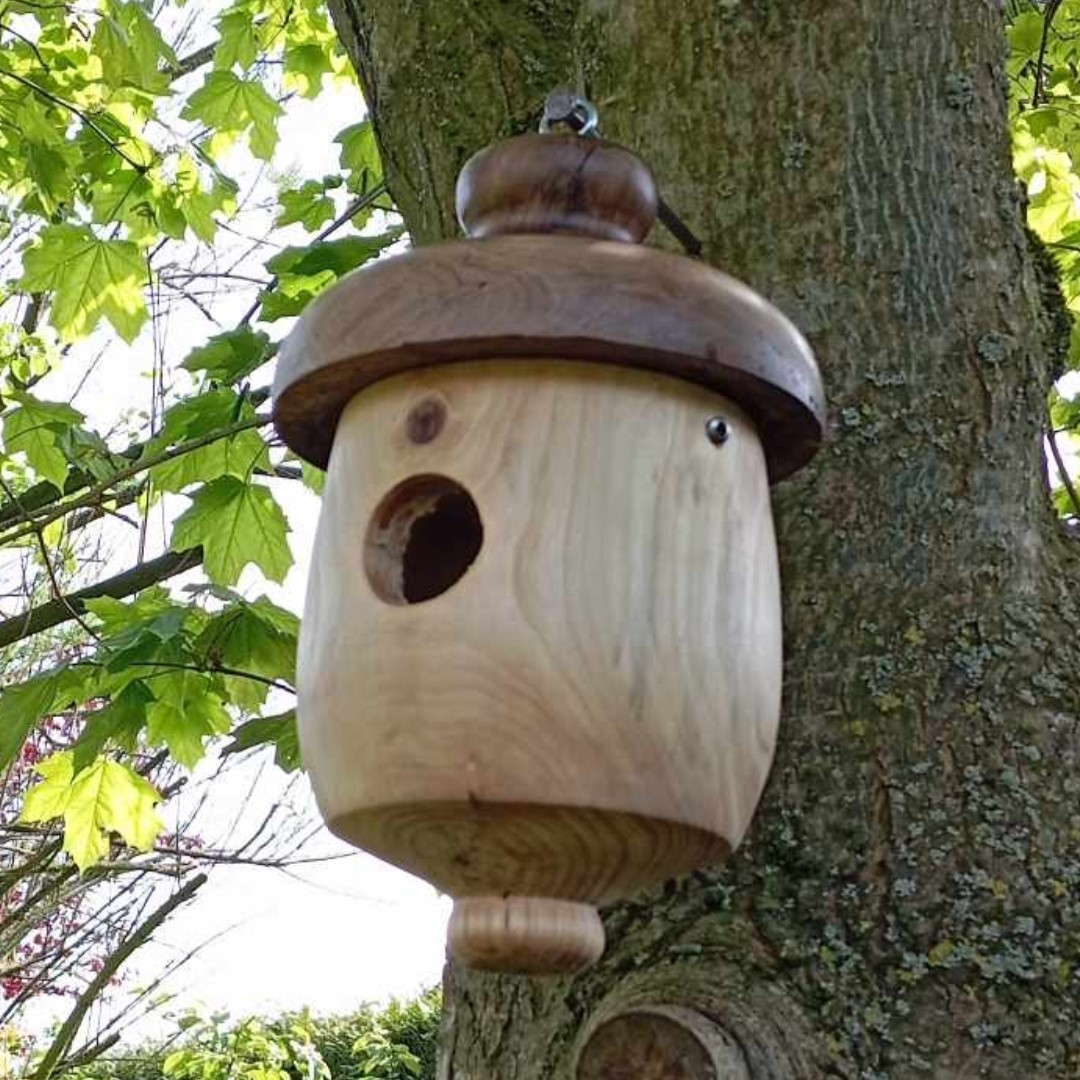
(36, 428)
(336, 256)
(236, 523)
(131, 49)
(21, 707)
(312, 477)
(277, 731)
(119, 722)
(196, 416)
(89, 278)
(304, 272)
(292, 295)
(238, 42)
(360, 156)
(239, 456)
(257, 639)
(228, 357)
(185, 713)
(305, 66)
(232, 105)
(106, 797)
(152, 611)
(23, 704)
(307, 205)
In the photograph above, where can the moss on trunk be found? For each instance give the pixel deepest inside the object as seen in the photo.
(909, 902)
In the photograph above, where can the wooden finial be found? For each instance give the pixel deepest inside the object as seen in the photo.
(525, 935)
(557, 184)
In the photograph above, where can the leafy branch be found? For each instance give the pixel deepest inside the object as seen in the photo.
(51, 514)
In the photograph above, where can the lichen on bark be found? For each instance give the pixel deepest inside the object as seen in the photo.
(908, 903)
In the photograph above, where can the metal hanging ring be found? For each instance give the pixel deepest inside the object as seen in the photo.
(569, 108)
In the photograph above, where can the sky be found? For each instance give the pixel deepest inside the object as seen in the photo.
(329, 935)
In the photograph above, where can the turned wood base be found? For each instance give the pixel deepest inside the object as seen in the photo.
(525, 935)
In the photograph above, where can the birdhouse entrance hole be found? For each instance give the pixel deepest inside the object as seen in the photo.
(422, 538)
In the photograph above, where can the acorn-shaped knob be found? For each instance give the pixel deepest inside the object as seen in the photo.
(557, 184)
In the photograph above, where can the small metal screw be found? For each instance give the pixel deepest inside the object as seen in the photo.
(717, 430)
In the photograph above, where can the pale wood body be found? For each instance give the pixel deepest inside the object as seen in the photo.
(593, 706)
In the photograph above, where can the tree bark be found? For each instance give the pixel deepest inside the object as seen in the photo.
(908, 903)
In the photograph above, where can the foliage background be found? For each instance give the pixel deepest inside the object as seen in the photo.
(396, 1042)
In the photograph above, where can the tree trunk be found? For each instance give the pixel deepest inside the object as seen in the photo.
(908, 903)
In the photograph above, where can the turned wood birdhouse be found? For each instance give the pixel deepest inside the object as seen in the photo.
(540, 663)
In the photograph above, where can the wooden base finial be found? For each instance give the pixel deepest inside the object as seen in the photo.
(525, 935)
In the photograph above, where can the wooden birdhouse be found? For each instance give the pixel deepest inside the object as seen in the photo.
(540, 662)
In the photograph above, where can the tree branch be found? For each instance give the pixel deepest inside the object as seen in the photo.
(99, 489)
(192, 62)
(68, 1030)
(45, 493)
(55, 612)
(360, 203)
(48, 95)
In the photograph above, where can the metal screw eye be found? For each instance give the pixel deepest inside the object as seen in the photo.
(717, 430)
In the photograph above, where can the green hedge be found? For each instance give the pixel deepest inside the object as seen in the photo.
(398, 1042)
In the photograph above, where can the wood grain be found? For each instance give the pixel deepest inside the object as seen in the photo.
(592, 707)
(532, 297)
(661, 1043)
(557, 183)
(525, 935)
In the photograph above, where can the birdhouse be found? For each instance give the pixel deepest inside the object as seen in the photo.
(540, 659)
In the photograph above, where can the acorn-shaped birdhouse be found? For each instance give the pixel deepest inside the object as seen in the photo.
(540, 659)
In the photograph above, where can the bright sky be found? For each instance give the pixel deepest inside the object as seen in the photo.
(330, 935)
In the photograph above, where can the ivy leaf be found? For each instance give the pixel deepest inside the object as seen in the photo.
(232, 105)
(230, 356)
(236, 523)
(36, 428)
(105, 797)
(89, 278)
(277, 731)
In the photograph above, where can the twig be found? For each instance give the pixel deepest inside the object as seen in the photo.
(1066, 480)
(143, 465)
(76, 111)
(354, 208)
(209, 669)
(44, 493)
(46, 558)
(1048, 21)
(192, 62)
(68, 1030)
